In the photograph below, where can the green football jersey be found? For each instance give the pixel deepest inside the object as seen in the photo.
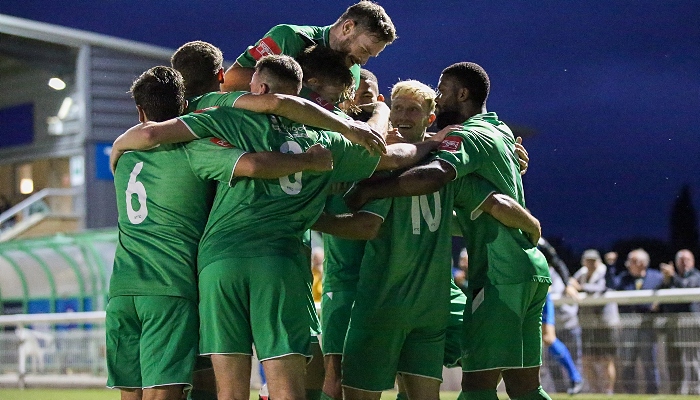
(497, 254)
(256, 217)
(213, 99)
(290, 40)
(405, 275)
(163, 198)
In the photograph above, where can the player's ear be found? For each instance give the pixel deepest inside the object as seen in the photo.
(431, 119)
(265, 88)
(142, 114)
(380, 97)
(220, 75)
(463, 94)
(348, 27)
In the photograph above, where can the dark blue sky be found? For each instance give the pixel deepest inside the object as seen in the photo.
(612, 88)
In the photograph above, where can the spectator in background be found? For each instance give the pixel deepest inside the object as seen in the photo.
(639, 342)
(611, 274)
(568, 318)
(459, 273)
(601, 333)
(317, 257)
(683, 361)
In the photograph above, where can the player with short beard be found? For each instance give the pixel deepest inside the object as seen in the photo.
(506, 271)
(361, 32)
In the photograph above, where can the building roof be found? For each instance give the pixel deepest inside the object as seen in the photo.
(75, 37)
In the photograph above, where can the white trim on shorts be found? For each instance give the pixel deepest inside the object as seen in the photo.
(284, 355)
(422, 376)
(364, 390)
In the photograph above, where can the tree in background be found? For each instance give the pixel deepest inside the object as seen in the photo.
(684, 222)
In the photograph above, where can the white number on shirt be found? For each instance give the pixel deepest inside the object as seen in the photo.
(291, 184)
(420, 206)
(136, 188)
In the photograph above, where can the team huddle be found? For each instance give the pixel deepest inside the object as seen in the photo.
(220, 184)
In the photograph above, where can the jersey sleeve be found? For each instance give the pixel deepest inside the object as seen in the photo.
(213, 159)
(351, 162)
(213, 122)
(470, 193)
(378, 207)
(281, 39)
(460, 150)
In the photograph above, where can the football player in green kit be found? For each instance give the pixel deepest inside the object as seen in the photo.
(255, 229)
(163, 197)
(404, 298)
(363, 31)
(508, 276)
(327, 82)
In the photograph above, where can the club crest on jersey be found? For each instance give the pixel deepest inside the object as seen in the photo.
(451, 143)
(266, 47)
(221, 142)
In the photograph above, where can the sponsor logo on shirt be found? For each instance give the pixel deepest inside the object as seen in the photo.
(221, 142)
(266, 47)
(451, 143)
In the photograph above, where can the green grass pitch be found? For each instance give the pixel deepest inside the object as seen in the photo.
(104, 394)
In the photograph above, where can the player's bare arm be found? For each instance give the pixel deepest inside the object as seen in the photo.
(237, 78)
(379, 121)
(356, 226)
(421, 179)
(511, 214)
(149, 135)
(273, 165)
(309, 113)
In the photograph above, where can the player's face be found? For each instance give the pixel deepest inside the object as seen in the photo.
(446, 103)
(367, 93)
(359, 47)
(332, 93)
(411, 116)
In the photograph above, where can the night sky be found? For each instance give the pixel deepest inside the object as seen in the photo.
(611, 89)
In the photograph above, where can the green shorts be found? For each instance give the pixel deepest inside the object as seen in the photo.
(256, 300)
(373, 357)
(335, 318)
(151, 341)
(503, 327)
(453, 335)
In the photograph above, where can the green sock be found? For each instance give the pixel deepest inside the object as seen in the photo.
(401, 396)
(323, 396)
(313, 394)
(488, 394)
(537, 394)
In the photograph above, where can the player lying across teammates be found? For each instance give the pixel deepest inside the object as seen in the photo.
(215, 208)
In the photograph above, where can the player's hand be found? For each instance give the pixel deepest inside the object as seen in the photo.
(362, 134)
(440, 136)
(667, 269)
(393, 136)
(523, 158)
(356, 197)
(321, 158)
(536, 235)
